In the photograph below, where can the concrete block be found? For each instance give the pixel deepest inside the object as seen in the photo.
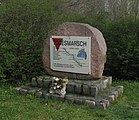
(57, 97)
(46, 78)
(18, 90)
(115, 93)
(70, 87)
(46, 83)
(32, 91)
(120, 89)
(86, 90)
(34, 82)
(101, 105)
(105, 83)
(99, 86)
(25, 87)
(40, 82)
(93, 91)
(106, 102)
(69, 98)
(111, 98)
(23, 91)
(46, 96)
(90, 103)
(39, 94)
(110, 81)
(78, 88)
(78, 101)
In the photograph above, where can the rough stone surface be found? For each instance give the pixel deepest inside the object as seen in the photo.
(98, 49)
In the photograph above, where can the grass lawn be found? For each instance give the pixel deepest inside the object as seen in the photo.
(17, 107)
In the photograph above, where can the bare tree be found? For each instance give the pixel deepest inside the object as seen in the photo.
(115, 8)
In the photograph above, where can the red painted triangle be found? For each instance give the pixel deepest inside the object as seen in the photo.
(57, 42)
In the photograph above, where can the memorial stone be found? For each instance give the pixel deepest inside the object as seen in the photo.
(75, 50)
(74, 56)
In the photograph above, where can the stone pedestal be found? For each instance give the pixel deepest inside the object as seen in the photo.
(96, 94)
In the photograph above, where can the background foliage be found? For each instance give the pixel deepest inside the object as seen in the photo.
(24, 27)
(26, 24)
(122, 37)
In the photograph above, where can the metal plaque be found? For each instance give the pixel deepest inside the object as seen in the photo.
(70, 54)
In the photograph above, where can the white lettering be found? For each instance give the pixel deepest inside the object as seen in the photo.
(74, 43)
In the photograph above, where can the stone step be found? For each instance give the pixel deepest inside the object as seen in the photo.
(81, 87)
(102, 101)
(41, 81)
(88, 87)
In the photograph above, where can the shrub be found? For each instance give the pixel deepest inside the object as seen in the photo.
(24, 26)
(122, 37)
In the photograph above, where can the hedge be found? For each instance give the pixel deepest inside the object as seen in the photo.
(26, 24)
(122, 37)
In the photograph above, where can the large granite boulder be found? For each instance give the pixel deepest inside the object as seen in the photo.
(98, 49)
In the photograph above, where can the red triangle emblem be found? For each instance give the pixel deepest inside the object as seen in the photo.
(57, 42)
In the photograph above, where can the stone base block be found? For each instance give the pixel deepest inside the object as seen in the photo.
(88, 87)
(95, 94)
(90, 103)
(41, 81)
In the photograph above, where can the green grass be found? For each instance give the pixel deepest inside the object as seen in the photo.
(17, 107)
